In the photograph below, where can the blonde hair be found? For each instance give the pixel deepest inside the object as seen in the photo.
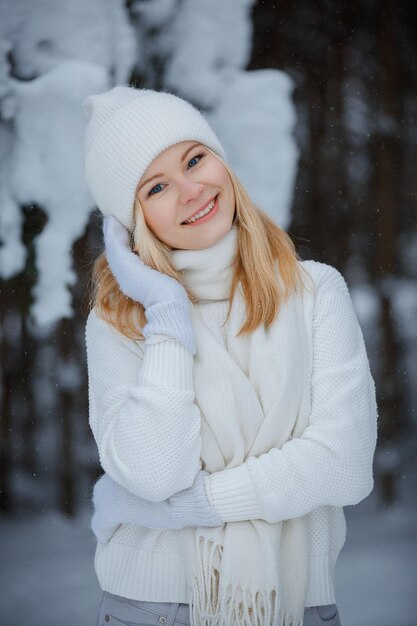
(262, 246)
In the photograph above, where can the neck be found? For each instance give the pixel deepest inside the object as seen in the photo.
(208, 272)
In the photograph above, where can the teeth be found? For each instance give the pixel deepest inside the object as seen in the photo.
(202, 213)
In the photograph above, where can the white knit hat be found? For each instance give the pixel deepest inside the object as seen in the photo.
(127, 129)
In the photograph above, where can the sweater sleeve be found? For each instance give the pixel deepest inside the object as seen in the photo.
(331, 463)
(142, 411)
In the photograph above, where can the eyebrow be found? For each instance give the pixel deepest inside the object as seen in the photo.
(160, 175)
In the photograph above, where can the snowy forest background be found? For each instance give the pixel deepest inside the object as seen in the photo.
(315, 104)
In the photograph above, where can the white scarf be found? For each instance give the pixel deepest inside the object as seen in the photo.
(253, 395)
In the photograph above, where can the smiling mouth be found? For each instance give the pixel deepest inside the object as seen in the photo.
(202, 213)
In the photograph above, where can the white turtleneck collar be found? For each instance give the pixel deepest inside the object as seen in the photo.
(208, 272)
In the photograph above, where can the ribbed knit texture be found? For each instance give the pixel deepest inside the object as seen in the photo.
(168, 362)
(146, 425)
(127, 129)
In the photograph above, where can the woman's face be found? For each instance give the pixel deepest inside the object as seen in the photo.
(181, 182)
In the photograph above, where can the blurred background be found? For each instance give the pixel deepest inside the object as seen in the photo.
(315, 104)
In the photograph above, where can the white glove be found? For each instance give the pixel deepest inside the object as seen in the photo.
(166, 302)
(191, 506)
(114, 505)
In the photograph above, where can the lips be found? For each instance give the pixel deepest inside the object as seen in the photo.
(200, 209)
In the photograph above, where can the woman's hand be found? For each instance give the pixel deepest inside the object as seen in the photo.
(136, 279)
(166, 303)
(114, 505)
(191, 506)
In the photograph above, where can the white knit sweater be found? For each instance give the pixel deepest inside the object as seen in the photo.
(147, 428)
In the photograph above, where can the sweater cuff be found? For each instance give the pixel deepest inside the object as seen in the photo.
(232, 494)
(157, 339)
(167, 364)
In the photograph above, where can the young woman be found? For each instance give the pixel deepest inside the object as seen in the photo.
(229, 387)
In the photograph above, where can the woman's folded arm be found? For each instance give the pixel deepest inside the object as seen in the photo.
(142, 411)
(331, 463)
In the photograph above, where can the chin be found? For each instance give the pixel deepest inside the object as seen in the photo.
(208, 239)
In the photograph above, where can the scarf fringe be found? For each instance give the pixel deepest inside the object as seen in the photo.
(216, 605)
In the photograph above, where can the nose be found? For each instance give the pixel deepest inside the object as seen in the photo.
(189, 190)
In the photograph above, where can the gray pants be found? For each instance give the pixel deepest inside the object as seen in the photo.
(118, 611)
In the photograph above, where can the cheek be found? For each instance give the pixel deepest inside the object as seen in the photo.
(223, 178)
(159, 216)
(226, 183)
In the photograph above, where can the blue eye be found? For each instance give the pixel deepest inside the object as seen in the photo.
(155, 189)
(191, 163)
(198, 156)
